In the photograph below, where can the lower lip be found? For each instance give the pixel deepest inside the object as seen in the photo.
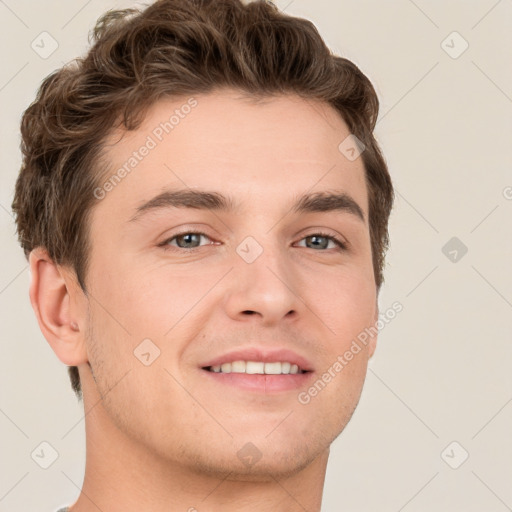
(262, 383)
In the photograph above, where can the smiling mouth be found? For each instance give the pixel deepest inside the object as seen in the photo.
(257, 368)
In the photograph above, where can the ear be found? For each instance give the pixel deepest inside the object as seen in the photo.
(373, 341)
(60, 308)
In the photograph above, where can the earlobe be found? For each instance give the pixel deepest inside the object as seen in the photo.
(51, 296)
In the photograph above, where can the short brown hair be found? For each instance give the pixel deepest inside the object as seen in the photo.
(174, 48)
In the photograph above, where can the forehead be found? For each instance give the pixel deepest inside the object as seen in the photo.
(269, 148)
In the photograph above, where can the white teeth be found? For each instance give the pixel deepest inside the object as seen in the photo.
(273, 368)
(238, 367)
(257, 367)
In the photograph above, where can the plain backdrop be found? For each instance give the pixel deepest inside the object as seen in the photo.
(433, 428)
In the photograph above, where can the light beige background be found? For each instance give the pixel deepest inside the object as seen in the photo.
(442, 371)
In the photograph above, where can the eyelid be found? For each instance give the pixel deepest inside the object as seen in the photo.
(165, 243)
(341, 242)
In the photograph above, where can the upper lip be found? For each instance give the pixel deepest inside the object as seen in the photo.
(261, 354)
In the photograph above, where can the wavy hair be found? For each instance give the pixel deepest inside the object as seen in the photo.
(175, 48)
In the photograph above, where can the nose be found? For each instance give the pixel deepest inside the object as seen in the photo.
(264, 290)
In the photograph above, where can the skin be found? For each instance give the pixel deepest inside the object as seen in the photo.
(164, 437)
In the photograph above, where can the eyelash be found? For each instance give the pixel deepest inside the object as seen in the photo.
(166, 247)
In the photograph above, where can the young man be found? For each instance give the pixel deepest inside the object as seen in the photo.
(204, 208)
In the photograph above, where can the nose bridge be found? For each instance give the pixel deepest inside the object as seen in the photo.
(262, 281)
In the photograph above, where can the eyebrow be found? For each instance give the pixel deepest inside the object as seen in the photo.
(211, 200)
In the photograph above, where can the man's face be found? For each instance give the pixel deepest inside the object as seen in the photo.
(260, 276)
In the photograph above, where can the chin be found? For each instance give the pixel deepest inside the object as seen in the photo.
(257, 460)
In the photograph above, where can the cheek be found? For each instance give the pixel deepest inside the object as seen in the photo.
(344, 302)
(147, 302)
